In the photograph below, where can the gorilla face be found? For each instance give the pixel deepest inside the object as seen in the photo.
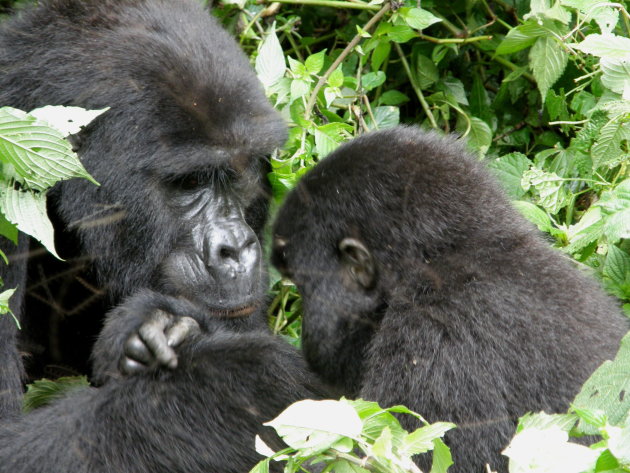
(221, 264)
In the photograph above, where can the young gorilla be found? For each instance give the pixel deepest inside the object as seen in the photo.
(181, 156)
(422, 286)
(200, 418)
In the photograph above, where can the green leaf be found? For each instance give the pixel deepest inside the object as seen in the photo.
(607, 149)
(372, 80)
(509, 169)
(314, 426)
(386, 117)
(421, 440)
(588, 230)
(270, 63)
(7, 229)
(393, 97)
(442, 458)
(328, 137)
(38, 153)
(550, 188)
(426, 71)
(480, 136)
(44, 391)
(616, 75)
(383, 444)
(535, 215)
(27, 210)
(615, 205)
(315, 62)
(418, 18)
(401, 33)
(609, 46)
(608, 389)
(617, 270)
(456, 88)
(619, 443)
(547, 61)
(336, 78)
(344, 466)
(299, 88)
(380, 53)
(68, 120)
(516, 40)
(297, 68)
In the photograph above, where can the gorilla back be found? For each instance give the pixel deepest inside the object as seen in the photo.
(180, 157)
(422, 286)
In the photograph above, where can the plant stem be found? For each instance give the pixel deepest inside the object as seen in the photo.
(331, 3)
(348, 49)
(472, 39)
(423, 102)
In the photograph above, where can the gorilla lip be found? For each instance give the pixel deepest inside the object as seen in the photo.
(235, 313)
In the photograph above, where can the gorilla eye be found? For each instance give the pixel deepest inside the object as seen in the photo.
(189, 182)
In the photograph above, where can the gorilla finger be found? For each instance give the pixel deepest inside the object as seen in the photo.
(130, 367)
(136, 349)
(153, 334)
(182, 329)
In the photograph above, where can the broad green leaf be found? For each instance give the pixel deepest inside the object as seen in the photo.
(595, 418)
(516, 40)
(380, 53)
(261, 467)
(616, 76)
(509, 169)
(401, 33)
(372, 80)
(609, 46)
(299, 88)
(550, 188)
(44, 391)
(385, 116)
(270, 63)
(534, 214)
(426, 71)
(336, 78)
(315, 62)
(316, 425)
(328, 137)
(8, 229)
(344, 466)
(383, 444)
(619, 442)
(442, 458)
(608, 389)
(393, 97)
(605, 16)
(615, 205)
(68, 120)
(547, 61)
(589, 229)
(548, 450)
(38, 153)
(421, 440)
(543, 421)
(27, 210)
(479, 138)
(617, 267)
(297, 68)
(456, 88)
(418, 18)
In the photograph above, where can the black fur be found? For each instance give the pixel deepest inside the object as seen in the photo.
(200, 418)
(184, 103)
(471, 318)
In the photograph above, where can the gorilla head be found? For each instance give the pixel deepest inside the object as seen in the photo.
(181, 155)
(422, 286)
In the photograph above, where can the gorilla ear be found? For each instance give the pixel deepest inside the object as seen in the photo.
(358, 262)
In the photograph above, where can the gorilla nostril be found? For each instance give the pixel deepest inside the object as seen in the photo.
(227, 252)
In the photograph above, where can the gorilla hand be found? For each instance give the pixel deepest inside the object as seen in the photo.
(153, 343)
(141, 333)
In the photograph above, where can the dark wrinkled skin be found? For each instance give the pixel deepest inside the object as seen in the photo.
(181, 157)
(422, 286)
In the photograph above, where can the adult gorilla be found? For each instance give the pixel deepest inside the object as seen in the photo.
(422, 286)
(180, 157)
(200, 418)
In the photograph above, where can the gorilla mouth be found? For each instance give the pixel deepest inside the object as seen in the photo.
(234, 313)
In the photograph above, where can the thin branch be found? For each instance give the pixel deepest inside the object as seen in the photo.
(423, 102)
(332, 3)
(348, 49)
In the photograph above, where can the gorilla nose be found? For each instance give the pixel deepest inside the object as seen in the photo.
(232, 248)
